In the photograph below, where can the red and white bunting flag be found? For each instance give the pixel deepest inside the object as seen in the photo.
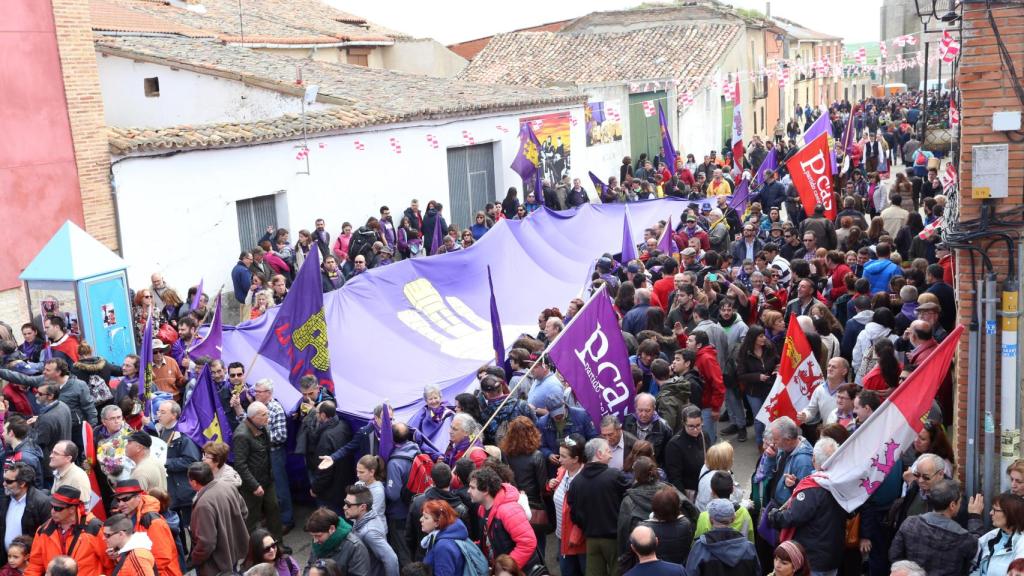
(905, 40)
(537, 124)
(649, 109)
(467, 137)
(883, 49)
(685, 99)
(954, 114)
(396, 146)
(930, 229)
(359, 145)
(432, 141)
(860, 465)
(949, 47)
(799, 375)
(728, 89)
(949, 178)
(861, 56)
(612, 112)
(783, 76)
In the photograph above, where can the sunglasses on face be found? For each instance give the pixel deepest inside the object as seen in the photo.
(272, 546)
(59, 508)
(124, 499)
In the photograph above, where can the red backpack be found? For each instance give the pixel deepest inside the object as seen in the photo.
(419, 476)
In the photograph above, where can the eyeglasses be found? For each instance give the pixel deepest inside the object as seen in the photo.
(271, 546)
(109, 534)
(58, 508)
(10, 480)
(235, 374)
(347, 504)
(925, 477)
(123, 499)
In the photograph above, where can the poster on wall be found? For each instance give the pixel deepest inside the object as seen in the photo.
(55, 299)
(108, 318)
(552, 131)
(603, 122)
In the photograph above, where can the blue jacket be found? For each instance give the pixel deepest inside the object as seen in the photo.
(241, 281)
(799, 464)
(444, 556)
(772, 195)
(879, 272)
(577, 421)
(399, 465)
(636, 319)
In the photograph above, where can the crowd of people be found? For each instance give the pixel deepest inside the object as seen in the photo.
(525, 467)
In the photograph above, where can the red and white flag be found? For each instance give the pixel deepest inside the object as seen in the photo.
(905, 40)
(737, 128)
(954, 114)
(948, 178)
(860, 465)
(883, 49)
(799, 375)
(685, 99)
(930, 229)
(649, 109)
(861, 56)
(783, 76)
(811, 170)
(949, 47)
(95, 504)
(728, 89)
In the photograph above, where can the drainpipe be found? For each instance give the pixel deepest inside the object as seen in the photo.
(989, 471)
(1009, 380)
(973, 364)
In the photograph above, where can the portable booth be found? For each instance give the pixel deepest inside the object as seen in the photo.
(78, 278)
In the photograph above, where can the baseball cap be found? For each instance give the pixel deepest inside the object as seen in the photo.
(721, 510)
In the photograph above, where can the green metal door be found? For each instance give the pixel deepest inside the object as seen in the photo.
(644, 132)
(727, 108)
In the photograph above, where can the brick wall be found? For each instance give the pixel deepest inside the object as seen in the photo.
(985, 88)
(85, 112)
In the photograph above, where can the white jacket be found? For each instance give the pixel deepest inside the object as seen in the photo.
(864, 343)
(995, 564)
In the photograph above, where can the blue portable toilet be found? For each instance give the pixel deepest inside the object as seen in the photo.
(80, 279)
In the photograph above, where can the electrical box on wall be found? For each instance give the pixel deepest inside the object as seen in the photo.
(990, 171)
(1004, 121)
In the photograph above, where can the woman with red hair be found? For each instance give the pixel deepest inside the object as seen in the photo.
(444, 531)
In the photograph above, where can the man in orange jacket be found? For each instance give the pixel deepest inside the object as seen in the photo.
(130, 550)
(144, 512)
(71, 531)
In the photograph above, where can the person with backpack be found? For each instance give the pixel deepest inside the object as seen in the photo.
(684, 388)
(400, 464)
(449, 552)
(441, 479)
(506, 527)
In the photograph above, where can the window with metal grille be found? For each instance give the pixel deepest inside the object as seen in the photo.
(254, 215)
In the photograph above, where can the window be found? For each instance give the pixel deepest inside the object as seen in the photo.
(254, 215)
(151, 86)
(359, 56)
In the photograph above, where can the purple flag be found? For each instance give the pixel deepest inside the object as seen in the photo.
(822, 125)
(297, 339)
(210, 345)
(628, 248)
(667, 245)
(591, 355)
(527, 160)
(436, 240)
(203, 418)
(146, 359)
(770, 162)
(740, 196)
(668, 150)
(600, 187)
(199, 294)
(497, 339)
(847, 143)
(387, 439)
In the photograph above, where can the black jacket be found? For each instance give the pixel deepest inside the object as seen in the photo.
(86, 367)
(820, 527)
(674, 539)
(594, 499)
(182, 452)
(325, 439)
(463, 507)
(37, 512)
(659, 435)
(252, 457)
(531, 475)
(749, 369)
(684, 457)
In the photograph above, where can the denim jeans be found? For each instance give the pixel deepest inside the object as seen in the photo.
(710, 426)
(278, 458)
(755, 407)
(574, 565)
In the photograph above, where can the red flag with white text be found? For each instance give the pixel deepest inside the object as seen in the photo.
(811, 171)
(860, 465)
(799, 375)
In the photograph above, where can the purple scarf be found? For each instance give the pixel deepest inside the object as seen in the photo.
(909, 310)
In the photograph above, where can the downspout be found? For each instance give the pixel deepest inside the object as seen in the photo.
(989, 471)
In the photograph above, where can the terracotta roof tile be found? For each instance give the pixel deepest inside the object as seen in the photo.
(111, 17)
(685, 52)
(360, 96)
(470, 48)
(269, 19)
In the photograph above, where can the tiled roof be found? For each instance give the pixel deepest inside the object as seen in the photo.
(800, 32)
(676, 13)
(111, 17)
(268, 21)
(361, 96)
(685, 52)
(470, 48)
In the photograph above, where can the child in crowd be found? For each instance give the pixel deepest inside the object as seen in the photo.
(17, 556)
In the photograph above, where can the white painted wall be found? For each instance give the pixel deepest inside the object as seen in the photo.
(603, 159)
(185, 97)
(424, 56)
(177, 213)
(700, 126)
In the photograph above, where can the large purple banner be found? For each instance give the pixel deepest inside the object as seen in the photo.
(395, 329)
(591, 355)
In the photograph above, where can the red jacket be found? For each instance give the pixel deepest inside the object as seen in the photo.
(89, 550)
(508, 529)
(662, 288)
(572, 538)
(711, 372)
(164, 551)
(838, 285)
(683, 238)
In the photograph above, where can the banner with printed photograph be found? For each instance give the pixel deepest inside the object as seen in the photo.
(603, 122)
(552, 131)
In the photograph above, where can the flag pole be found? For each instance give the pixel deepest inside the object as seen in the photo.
(579, 313)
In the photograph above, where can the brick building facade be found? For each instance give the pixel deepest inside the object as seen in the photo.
(985, 87)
